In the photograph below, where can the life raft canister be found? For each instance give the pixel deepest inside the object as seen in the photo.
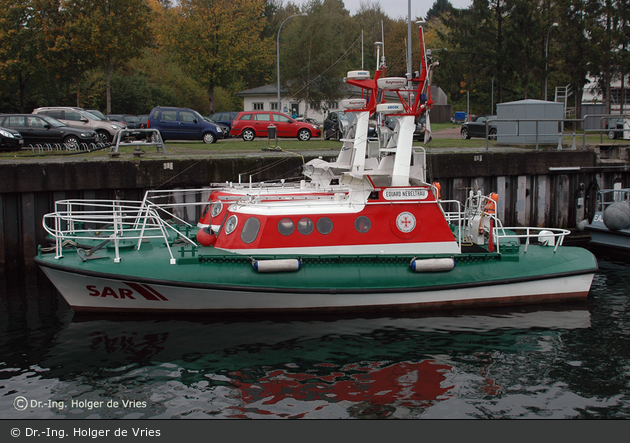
(206, 237)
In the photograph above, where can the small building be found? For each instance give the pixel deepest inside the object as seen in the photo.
(529, 122)
(619, 95)
(265, 98)
(591, 113)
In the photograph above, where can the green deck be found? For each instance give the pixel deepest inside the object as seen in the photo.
(209, 267)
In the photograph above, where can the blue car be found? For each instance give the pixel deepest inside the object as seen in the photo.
(183, 124)
(223, 118)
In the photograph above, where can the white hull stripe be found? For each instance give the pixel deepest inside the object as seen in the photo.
(88, 292)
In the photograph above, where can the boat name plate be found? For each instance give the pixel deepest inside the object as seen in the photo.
(405, 194)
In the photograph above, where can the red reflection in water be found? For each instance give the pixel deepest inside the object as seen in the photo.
(405, 384)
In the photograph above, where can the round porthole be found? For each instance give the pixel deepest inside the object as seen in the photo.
(324, 225)
(250, 230)
(230, 224)
(286, 226)
(216, 209)
(362, 224)
(305, 226)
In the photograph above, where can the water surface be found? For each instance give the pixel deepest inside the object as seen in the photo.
(554, 361)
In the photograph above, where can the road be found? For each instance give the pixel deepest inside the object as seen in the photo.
(446, 133)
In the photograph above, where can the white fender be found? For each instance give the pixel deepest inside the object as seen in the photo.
(432, 265)
(286, 265)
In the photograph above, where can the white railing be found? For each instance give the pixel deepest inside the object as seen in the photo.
(110, 221)
(546, 236)
(606, 197)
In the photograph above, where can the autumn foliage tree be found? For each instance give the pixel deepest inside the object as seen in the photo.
(120, 29)
(218, 42)
(21, 45)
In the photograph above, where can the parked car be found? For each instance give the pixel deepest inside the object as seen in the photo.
(132, 121)
(223, 118)
(183, 124)
(477, 127)
(144, 120)
(332, 126)
(419, 132)
(310, 120)
(252, 124)
(42, 129)
(615, 128)
(10, 139)
(337, 122)
(97, 113)
(224, 128)
(81, 119)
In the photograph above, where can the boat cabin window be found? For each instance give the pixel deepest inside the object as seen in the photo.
(230, 224)
(324, 225)
(305, 226)
(362, 224)
(250, 230)
(216, 209)
(286, 226)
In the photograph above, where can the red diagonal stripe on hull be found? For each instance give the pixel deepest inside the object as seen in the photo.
(156, 293)
(149, 294)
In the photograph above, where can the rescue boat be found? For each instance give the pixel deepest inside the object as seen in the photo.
(610, 226)
(321, 176)
(385, 240)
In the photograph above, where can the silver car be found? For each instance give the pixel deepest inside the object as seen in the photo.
(82, 119)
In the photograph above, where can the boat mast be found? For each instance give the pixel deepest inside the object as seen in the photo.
(409, 75)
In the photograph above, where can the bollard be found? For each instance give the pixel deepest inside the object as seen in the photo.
(272, 132)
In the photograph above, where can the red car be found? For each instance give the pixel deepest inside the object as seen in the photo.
(252, 124)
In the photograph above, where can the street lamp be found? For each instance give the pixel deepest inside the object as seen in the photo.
(555, 25)
(304, 14)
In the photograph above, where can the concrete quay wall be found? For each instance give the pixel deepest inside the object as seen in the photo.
(536, 188)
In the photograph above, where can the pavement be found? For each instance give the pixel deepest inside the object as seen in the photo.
(446, 133)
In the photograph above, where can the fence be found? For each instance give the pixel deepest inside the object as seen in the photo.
(606, 120)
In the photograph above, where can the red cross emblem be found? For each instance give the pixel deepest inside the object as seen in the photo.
(406, 222)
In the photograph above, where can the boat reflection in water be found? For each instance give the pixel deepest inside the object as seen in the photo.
(332, 367)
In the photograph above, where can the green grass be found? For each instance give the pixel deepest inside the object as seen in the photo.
(236, 146)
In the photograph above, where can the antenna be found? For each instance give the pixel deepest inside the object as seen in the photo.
(383, 42)
(362, 47)
(378, 45)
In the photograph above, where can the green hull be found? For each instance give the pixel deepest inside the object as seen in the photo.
(207, 279)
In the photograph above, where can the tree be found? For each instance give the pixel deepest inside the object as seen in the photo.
(576, 50)
(474, 55)
(373, 24)
(121, 29)
(439, 8)
(21, 45)
(69, 41)
(218, 41)
(315, 53)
